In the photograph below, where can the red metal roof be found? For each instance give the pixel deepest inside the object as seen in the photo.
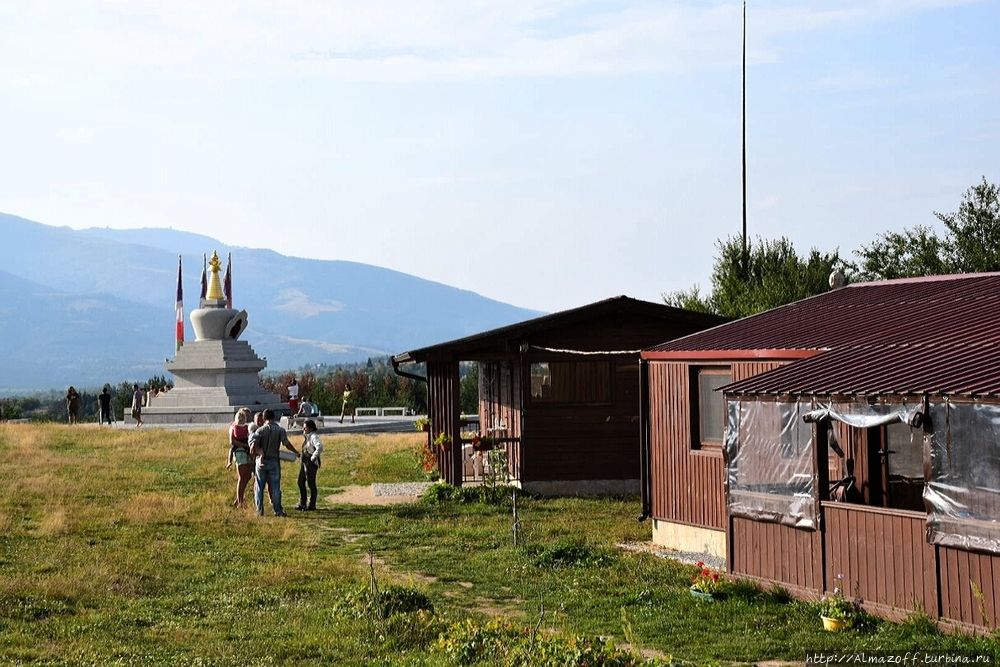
(938, 335)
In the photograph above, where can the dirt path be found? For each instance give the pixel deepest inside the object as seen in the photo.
(364, 495)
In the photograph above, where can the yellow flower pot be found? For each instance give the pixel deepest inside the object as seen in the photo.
(833, 624)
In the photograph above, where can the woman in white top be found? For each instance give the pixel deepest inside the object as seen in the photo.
(312, 450)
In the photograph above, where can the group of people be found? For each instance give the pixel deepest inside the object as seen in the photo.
(308, 409)
(254, 446)
(105, 413)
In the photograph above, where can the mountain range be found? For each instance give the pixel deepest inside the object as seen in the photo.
(85, 307)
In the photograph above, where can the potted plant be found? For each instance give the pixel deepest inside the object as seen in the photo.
(835, 610)
(442, 440)
(423, 424)
(483, 443)
(427, 458)
(706, 585)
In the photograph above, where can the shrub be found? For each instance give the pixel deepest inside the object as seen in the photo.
(571, 553)
(500, 642)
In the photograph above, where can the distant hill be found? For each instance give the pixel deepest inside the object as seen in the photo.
(85, 307)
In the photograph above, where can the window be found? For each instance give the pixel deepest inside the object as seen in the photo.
(771, 471)
(571, 382)
(904, 467)
(709, 407)
(964, 486)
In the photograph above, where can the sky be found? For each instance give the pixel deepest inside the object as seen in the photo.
(544, 153)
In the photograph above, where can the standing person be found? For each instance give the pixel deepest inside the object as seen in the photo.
(268, 439)
(239, 451)
(258, 421)
(137, 405)
(104, 403)
(312, 449)
(293, 396)
(348, 396)
(72, 404)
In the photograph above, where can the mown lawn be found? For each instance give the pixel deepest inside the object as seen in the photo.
(120, 547)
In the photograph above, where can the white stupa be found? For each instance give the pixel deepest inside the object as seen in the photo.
(215, 374)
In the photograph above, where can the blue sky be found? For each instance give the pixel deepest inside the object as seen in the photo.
(545, 153)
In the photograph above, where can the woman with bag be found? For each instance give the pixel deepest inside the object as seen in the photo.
(312, 449)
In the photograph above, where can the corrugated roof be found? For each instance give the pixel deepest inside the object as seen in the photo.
(937, 335)
(615, 305)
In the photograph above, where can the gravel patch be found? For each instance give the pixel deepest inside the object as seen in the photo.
(689, 557)
(401, 489)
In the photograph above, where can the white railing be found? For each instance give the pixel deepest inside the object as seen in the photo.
(382, 412)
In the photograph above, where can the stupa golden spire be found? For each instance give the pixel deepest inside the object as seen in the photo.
(214, 284)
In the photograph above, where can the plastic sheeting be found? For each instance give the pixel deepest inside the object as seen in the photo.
(963, 489)
(862, 415)
(771, 471)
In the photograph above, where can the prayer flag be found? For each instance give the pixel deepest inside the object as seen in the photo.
(227, 283)
(180, 308)
(204, 277)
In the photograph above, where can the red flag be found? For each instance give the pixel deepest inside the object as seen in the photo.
(227, 283)
(180, 308)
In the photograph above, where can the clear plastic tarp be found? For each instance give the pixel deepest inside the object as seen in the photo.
(771, 463)
(863, 415)
(964, 486)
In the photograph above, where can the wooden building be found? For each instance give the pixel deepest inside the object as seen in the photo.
(851, 439)
(559, 393)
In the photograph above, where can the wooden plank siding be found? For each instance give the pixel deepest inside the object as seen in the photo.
(882, 554)
(774, 552)
(500, 407)
(443, 400)
(958, 571)
(690, 483)
(586, 442)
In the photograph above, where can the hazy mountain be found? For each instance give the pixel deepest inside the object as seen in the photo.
(85, 307)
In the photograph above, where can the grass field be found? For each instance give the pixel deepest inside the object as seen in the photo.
(120, 547)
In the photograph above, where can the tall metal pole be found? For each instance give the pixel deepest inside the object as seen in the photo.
(744, 134)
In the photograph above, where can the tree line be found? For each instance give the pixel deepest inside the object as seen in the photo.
(373, 383)
(769, 273)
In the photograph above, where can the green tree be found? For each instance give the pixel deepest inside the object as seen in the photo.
(971, 242)
(768, 275)
(468, 389)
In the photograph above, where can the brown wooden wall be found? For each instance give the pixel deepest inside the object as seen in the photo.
(585, 442)
(775, 552)
(442, 402)
(958, 570)
(688, 484)
(882, 554)
(500, 407)
(884, 558)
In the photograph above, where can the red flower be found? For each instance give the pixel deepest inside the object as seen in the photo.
(700, 565)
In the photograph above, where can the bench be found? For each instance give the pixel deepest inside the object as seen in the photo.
(299, 422)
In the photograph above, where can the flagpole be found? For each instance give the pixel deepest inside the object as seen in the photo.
(744, 135)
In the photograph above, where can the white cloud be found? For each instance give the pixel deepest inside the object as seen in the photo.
(389, 40)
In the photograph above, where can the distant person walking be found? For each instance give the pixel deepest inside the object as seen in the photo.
(312, 449)
(104, 403)
(268, 440)
(73, 404)
(348, 399)
(137, 405)
(293, 396)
